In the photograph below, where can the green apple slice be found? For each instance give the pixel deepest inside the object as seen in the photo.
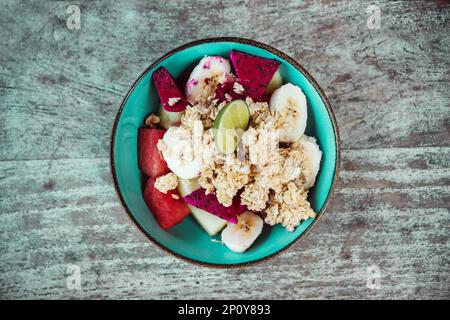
(187, 186)
(209, 222)
(275, 83)
(168, 118)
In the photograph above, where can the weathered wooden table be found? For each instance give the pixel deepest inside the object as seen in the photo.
(60, 89)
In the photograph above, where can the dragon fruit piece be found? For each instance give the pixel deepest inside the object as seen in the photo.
(265, 98)
(227, 88)
(238, 206)
(209, 203)
(172, 99)
(253, 72)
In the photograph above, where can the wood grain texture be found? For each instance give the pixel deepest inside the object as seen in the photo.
(60, 90)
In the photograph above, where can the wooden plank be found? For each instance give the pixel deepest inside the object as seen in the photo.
(389, 89)
(60, 90)
(117, 261)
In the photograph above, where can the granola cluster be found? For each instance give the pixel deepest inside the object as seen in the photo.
(166, 182)
(289, 207)
(268, 178)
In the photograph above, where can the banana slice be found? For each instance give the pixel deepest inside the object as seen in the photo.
(311, 164)
(210, 71)
(290, 102)
(240, 236)
(177, 149)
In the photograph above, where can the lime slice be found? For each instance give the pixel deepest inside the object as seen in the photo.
(230, 123)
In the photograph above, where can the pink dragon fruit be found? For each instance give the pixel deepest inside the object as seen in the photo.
(227, 88)
(209, 203)
(254, 73)
(170, 95)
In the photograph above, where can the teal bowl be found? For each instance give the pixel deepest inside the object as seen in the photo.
(187, 240)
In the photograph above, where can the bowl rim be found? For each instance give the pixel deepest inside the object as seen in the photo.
(331, 114)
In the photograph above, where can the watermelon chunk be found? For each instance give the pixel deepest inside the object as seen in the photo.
(254, 73)
(227, 88)
(172, 99)
(209, 203)
(167, 210)
(150, 159)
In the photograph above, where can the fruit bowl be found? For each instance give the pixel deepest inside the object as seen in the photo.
(187, 240)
